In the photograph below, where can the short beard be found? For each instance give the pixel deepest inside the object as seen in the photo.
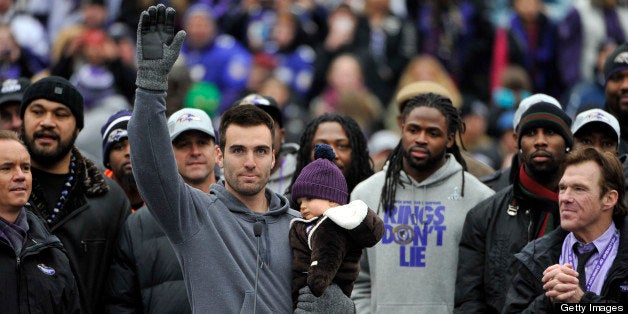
(49, 159)
(127, 182)
(432, 162)
(544, 175)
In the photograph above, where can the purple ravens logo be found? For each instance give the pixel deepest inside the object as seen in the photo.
(621, 58)
(596, 116)
(46, 270)
(117, 134)
(188, 117)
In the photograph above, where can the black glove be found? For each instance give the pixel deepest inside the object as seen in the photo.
(157, 47)
(333, 300)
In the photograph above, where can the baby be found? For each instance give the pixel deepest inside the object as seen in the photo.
(327, 242)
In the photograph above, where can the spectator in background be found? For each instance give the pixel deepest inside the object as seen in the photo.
(422, 68)
(295, 60)
(364, 107)
(16, 61)
(507, 140)
(501, 225)
(381, 144)
(599, 129)
(251, 23)
(345, 74)
(590, 94)
(384, 43)
(616, 91)
(588, 24)
(11, 93)
(85, 209)
(91, 61)
(531, 44)
(421, 196)
(41, 280)
(340, 39)
(460, 37)
(28, 32)
(477, 142)
(117, 158)
(514, 85)
(344, 135)
(293, 109)
(124, 40)
(146, 275)
(214, 58)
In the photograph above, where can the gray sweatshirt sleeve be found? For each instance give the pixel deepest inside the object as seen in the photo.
(167, 197)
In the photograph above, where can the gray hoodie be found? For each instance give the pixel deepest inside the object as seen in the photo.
(212, 234)
(413, 268)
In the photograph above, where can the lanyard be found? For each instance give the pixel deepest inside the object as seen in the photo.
(600, 261)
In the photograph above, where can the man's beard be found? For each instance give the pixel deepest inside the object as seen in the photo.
(127, 182)
(543, 173)
(432, 162)
(49, 158)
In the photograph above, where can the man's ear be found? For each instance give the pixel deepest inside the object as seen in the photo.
(451, 138)
(219, 156)
(609, 200)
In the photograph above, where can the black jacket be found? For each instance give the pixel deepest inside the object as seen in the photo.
(493, 233)
(526, 293)
(89, 233)
(40, 280)
(145, 276)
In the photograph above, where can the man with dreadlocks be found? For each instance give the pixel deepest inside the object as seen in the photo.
(344, 135)
(422, 194)
(500, 227)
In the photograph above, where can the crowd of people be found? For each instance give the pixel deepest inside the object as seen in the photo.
(376, 156)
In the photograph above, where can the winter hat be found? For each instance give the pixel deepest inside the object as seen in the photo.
(529, 101)
(321, 178)
(596, 116)
(12, 90)
(113, 131)
(546, 115)
(57, 89)
(616, 61)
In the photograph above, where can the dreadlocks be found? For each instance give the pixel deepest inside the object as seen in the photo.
(361, 163)
(455, 126)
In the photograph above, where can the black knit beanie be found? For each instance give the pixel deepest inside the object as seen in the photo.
(616, 61)
(321, 179)
(113, 131)
(546, 115)
(57, 89)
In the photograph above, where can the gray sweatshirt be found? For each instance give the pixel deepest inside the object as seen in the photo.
(413, 268)
(212, 234)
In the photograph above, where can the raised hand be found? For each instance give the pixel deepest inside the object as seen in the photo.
(157, 47)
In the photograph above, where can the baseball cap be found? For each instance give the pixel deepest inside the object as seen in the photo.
(12, 90)
(527, 102)
(266, 103)
(188, 119)
(595, 115)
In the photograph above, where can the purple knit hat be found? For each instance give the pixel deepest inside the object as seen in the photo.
(321, 178)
